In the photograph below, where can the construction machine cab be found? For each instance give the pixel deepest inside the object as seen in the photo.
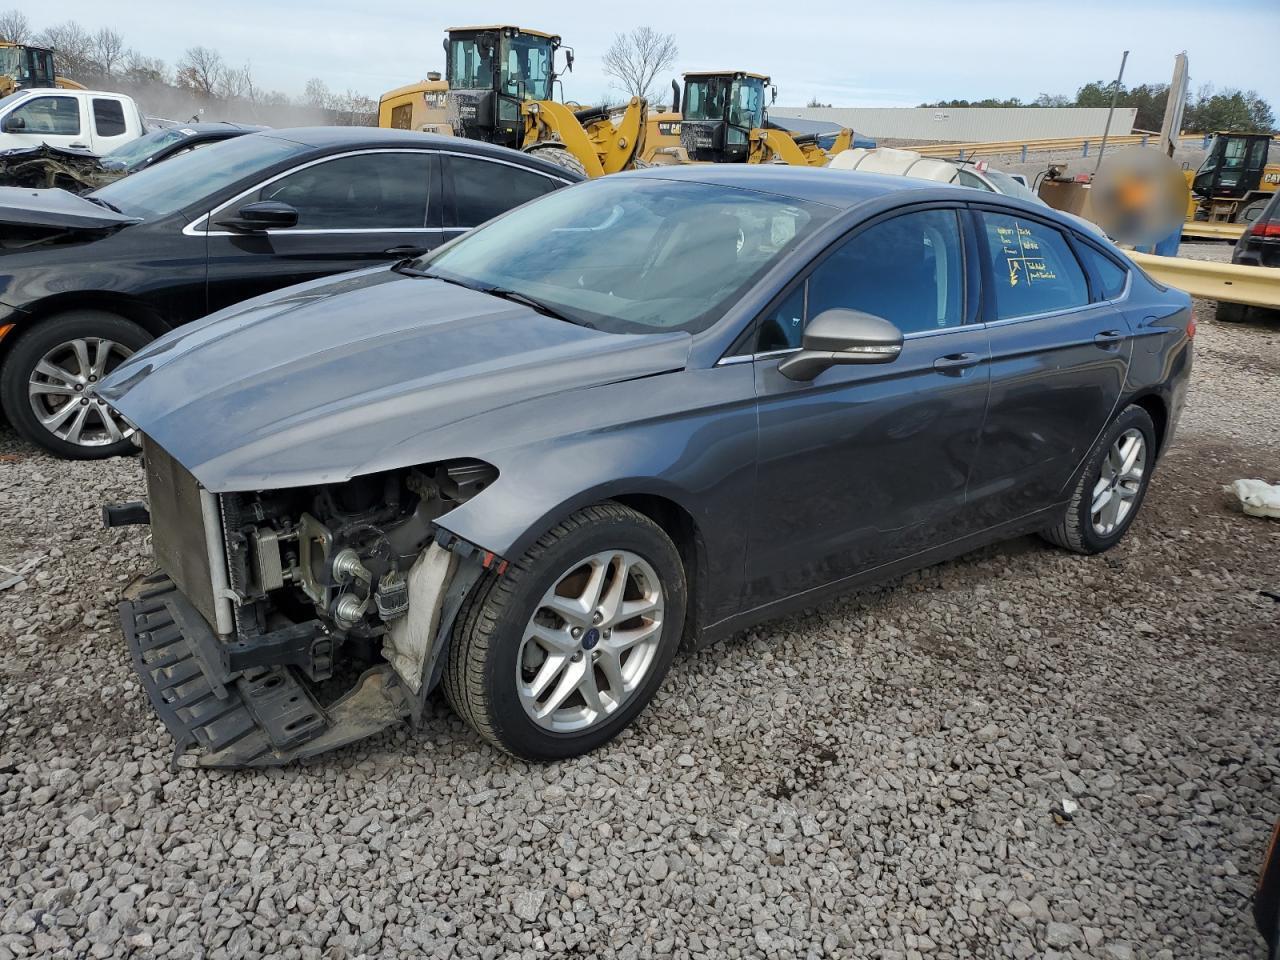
(24, 67)
(1233, 166)
(491, 72)
(720, 110)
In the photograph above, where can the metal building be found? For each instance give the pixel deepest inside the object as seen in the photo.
(967, 124)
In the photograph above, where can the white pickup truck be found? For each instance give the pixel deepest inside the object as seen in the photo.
(79, 119)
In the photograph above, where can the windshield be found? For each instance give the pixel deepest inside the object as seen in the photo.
(705, 97)
(629, 254)
(526, 68)
(470, 65)
(186, 180)
(1011, 187)
(136, 151)
(747, 104)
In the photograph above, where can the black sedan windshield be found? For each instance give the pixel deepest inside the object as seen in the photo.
(631, 255)
(186, 180)
(135, 152)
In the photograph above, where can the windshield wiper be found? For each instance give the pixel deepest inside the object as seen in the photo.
(107, 204)
(516, 296)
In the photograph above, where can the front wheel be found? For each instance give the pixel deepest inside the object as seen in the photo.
(1111, 487)
(49, 380)
(559, 654)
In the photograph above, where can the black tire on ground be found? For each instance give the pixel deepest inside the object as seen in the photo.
(1243, 214)
(480, 674)
(32, 345)
(1231, 312)
(1075, 530)
(559, 155)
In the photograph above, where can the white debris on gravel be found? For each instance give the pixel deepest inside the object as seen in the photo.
(1019, 754)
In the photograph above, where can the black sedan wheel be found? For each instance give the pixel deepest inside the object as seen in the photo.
(1111, 487)
(48, 383)
(560, 653)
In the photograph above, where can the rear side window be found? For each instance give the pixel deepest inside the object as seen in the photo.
(1111, 277)
(368, 191)
(56, 115)
(1033, 268)
(108, 117)
(483, 189)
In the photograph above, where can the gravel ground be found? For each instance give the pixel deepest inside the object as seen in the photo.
(881, 777)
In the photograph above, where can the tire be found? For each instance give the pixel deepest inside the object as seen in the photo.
(1242, 214)
(101, 433)
(1231, 312)
(1078, 529)
(557, 154)
(493, 659)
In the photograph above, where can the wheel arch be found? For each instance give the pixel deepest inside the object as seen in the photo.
(130, 308)
(1158, 410)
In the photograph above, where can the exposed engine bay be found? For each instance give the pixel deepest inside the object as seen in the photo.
(299, 619)
(78, 171)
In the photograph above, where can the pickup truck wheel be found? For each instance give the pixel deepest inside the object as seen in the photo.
(1230, 312)
(49, 380)
(1111, 487)
(557, 655)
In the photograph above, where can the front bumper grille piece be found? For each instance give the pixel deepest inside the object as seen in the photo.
(265, 716)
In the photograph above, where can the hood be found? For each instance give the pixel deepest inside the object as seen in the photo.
(349, 375)
(56, 209)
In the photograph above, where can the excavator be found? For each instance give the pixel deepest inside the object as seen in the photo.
(724, 120)
(26, 67)
(500, 90)
(1236, 179)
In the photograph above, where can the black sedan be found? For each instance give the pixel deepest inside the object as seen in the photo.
(160, 145)
(1258, 246)
(654, 406)
(86, 281)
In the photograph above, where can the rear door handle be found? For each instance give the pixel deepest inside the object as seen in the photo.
(405, 251)
(956, 362)
(1108, 337)
(78, 146)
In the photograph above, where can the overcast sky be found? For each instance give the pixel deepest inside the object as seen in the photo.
(847, 53)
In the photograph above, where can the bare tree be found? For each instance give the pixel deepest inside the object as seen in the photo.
(201, 70)
(14, 26)
(142, 70)
(316, 94)
(236, 83)
(108, 51)
(72, 47)
(636, 58)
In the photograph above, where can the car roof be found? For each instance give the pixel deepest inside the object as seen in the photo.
(353, 138)
(835, 188)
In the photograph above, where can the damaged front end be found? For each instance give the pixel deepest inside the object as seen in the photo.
(77, 171)
(285, 623)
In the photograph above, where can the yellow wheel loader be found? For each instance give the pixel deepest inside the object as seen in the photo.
(500, 89)
(417, 106)
(1236, 179)
(26, 67)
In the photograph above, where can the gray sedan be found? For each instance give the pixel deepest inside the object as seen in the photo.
(654, 407)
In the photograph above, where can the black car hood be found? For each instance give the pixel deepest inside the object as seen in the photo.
(349, 375)
(24, 207)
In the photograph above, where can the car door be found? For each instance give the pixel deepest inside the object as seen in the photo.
(109, 128)
(1059, 357)
(478, 188)
(354, 210)
(867, 464)
(54, 119)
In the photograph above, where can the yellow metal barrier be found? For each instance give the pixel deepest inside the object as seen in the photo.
(1212, 231)
(1210, 280)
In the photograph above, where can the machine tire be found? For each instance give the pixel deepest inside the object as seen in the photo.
(1075, 530)
(491, 633)
(35, 345)
(559, 155)
(1255, 205)
(1230, 312)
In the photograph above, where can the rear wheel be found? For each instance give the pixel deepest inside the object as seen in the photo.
(560, 653)
(1111, 487)
(1250, 212)
(1230, 312)
(49, 380)
(559, 155)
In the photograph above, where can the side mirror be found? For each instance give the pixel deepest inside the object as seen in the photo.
(14, 124)
(568, 59)
(774, 91)
(842, 336)
(261, 216)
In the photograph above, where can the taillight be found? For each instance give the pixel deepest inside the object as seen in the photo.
(1266, 228)
(1191, 329)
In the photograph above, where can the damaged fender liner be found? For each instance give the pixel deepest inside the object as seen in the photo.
(267, 715)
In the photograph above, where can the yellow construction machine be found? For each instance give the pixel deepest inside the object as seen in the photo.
(25, 67)
(501, 83)
(417, 106)
(1236, 179)
(724, 120)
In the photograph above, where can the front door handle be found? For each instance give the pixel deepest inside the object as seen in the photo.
(78, 146)
(1108, 338)
(405, 251)
(956, 362)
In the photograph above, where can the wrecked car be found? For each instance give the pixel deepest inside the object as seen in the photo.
(87, 280)
(650, 407)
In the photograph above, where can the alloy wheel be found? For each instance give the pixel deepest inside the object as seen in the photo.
(1119, 482)
(591, 641)
(62, 390)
